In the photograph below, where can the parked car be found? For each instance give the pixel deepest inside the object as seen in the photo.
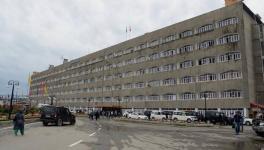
(57, 115)
(248, 121)
(216, 117)
(183, 116)
(137, 116)
(258, 127)
(126, 113)
(158, 115)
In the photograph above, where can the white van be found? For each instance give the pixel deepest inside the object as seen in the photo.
(157, 115)
(183, 116)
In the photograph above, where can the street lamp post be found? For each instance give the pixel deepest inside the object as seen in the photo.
(13, 83)
(205, 106)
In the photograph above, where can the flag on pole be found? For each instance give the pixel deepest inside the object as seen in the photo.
(129, 28)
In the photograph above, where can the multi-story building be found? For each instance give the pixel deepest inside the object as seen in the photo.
(213, 61)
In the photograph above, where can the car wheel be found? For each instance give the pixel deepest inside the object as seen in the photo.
(175, 119)
(45, 123)
(163, 119)
(189, 120)
(59, 122)
(72, 122)
(247, 123)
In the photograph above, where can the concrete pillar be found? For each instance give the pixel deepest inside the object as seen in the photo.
(245, 112)
(132, 108)
(196, 109)
(218, 109)
(160, 109)
(176, 109)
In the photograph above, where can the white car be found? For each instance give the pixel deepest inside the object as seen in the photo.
(248, 121)
(136, 116)
(126, 113)
(157, 115)
(183, 116)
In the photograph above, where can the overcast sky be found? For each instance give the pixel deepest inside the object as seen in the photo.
(36, 33)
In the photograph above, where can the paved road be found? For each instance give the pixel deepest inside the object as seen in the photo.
(111, 135)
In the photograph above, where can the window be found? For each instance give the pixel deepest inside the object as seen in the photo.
(228, 39)
(128, 98)
(205, 28)
(140, 72)
(187, 79)
(154, 69)
(129, 50)
(228, 21)
(168, 38)
(230, 75)
(118, 53)
(169, 67)
(187, 96)
(208, 95)
(118, 75)
(154, 97)
(170, 81)
(108, 99)
(108, 88)
(108, 77)
(154, 56)
(117, 87)
(140, 85)
(154, 83)
(111, 55)
(140, 59)
(168, 53)
(185, 49)
(169, 97)
(230, 56)
(208, 77)
(206, 44)
(129, 61)
(186, 64)
(154, 43)
(129, 74)
(128, 86)
(206, 60)
(186, 34)
(231, 94)
(140, 98)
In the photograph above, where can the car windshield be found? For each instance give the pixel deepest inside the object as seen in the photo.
(48, 109)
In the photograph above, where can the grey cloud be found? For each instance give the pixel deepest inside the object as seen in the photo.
(34, 34)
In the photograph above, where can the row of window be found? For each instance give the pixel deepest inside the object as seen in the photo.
(169, 38)
(229, 75)
(170, 96)
(155, 69)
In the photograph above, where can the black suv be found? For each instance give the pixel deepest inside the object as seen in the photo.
(57, 115)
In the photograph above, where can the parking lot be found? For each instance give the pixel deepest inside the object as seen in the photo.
(109, 134)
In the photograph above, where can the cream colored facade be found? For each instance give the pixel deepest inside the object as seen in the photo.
(218, 55)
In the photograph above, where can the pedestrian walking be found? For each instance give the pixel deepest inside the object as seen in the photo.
(237, 121)
(19, 122)
(96, 115)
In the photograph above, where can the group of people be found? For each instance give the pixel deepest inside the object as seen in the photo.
(94, 115)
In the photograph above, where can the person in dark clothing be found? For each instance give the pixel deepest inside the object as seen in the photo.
(96, 115)
(19, 122)
(237, 121)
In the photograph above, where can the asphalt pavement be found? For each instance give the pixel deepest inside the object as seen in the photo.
(107, 134)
